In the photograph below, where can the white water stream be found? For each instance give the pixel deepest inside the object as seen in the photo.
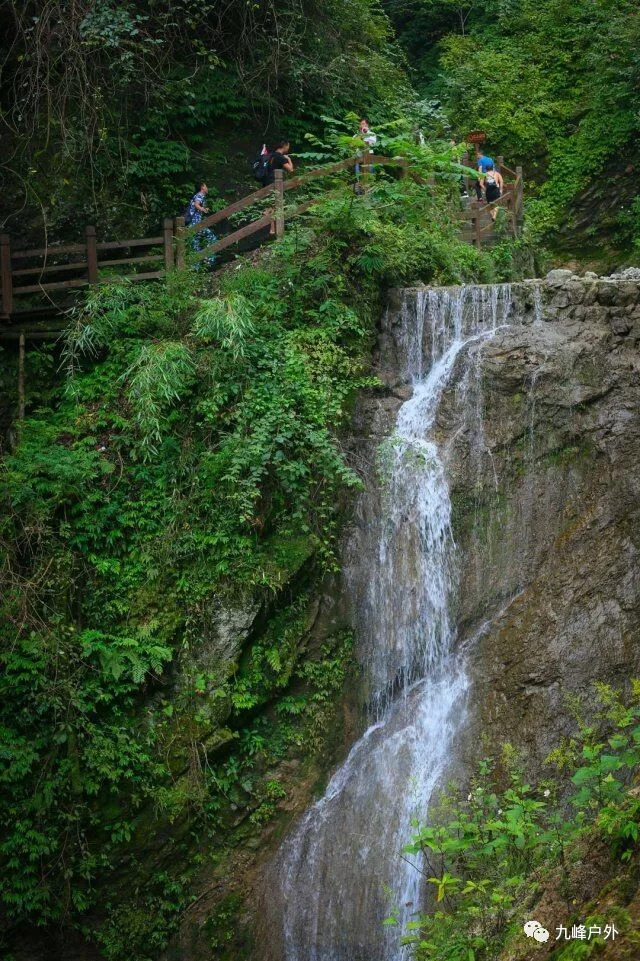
(341, 871)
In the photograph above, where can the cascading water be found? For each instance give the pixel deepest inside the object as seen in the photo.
(341, 870)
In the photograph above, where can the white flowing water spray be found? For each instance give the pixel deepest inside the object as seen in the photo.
(341, 870)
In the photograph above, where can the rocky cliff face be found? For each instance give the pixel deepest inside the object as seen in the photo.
(538, 432)
(542, 456)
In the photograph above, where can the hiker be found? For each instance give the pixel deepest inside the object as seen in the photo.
(268, 162)
(483, 163)
(280, 160)
(493, 187)
(196, 211)
(370, 138)
(271, 160)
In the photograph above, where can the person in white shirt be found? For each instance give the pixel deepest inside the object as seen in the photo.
(367, 134)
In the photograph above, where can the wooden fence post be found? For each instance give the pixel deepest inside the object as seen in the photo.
(21, 377)
(92, 254)
(477, 236)
(278, 187)
(511, 206)
(167, 233)
(365, 169)
(500, 163)
(180, 245)
(465, 163)
(519, 205)
(6, 282)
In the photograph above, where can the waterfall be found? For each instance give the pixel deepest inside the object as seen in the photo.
(341, 871)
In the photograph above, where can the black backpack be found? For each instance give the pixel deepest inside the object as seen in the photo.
(262, 168)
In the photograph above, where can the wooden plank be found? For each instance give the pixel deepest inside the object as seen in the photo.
(21, 377)
(51, 269)
(48, 251)
(121, 244)
(303, 207)
(92, 255)
(475, 206)
(374, 158)
(6, 280)
(279, 201)
(125, 261)
(233, 238)
(42, 333)
(320, 172)
(231, 209)
(180, 247)
(58, 285)
(167, 232)
(519, 207)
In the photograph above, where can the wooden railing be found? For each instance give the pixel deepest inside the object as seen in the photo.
(46, 270)
(53, 269)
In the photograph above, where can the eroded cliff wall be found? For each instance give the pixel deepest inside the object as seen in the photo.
(542, 440)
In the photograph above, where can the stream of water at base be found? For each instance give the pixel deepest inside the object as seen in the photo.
(341, 871)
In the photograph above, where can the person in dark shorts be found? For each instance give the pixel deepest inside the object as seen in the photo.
(493, 187)
(483, 163)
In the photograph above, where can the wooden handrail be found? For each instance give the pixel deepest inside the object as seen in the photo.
(172, 241)
(122, 244)
(233, 208)
(224, 242)
(49, 269)
(319, 172)
(48, 251)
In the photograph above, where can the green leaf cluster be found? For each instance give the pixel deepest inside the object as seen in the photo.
(490, 848)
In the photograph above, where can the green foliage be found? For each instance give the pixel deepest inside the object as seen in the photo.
(487, 850)
(155, 380)
(140, 926)
(109, 104)
(550, 82)
(191, 458)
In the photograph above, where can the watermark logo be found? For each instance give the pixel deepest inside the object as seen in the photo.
(578, 932)
(533, 929)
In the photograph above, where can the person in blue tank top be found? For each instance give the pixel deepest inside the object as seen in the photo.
(483, 164)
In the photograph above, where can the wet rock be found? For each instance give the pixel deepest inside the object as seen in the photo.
(608, 294)
(621, 326)
(561, 299)
(629, 273)
(558, 277)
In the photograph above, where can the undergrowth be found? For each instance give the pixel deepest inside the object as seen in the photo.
(494, 849)
(188, 461)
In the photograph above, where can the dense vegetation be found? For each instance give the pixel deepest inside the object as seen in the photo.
(111, 110)
(508, 851)
(186, 462)
(183, 456)
(552, 83)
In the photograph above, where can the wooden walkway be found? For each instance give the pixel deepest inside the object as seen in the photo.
(36, 284)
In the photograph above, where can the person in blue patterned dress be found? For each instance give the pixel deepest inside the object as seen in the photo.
(197, 210)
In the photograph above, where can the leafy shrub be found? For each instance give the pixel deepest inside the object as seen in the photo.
(486, 851)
